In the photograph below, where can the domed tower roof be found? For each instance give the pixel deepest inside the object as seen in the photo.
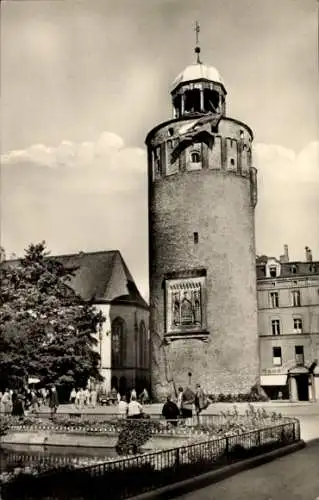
(198, 71)
(198, 89)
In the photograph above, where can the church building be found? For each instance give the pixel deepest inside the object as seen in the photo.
(103, 279)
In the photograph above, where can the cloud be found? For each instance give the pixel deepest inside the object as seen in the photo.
(88, 196)
(93, 196)
(288, 206)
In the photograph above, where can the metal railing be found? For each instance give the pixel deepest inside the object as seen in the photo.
(124, 478)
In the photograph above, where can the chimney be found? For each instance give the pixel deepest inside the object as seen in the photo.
(308, 254)
(2, 254)
(285, 257)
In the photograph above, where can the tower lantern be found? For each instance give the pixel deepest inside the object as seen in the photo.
(202, 198)
(198, 88)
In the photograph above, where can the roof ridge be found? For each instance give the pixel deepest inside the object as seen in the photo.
(81, 252)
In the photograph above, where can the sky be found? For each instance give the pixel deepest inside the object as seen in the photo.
(82, 83)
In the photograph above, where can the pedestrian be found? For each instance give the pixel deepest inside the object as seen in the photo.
(119, 397)
(144, 397)
(34, 401)
(77, 398)
(6, 401)
(123, 407)
(201, 401)
(27, 398)
(17, 404)
(180, 398)
(133, 394)
(134, 408)
(93, 397)
(81, 397)
(86, 397)
(44, 395)
(170, 411)
(73, 396)
(113, 395)
(188, 400)
(53, 401)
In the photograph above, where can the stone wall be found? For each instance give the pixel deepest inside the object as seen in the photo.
(216, 204)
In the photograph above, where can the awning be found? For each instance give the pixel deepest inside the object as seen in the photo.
(267, 380)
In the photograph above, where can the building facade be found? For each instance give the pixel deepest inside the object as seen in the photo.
(202, 198)
(103, 279)
(288, 325)
(123, 341)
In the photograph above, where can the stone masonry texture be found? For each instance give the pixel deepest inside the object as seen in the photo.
(217, 205)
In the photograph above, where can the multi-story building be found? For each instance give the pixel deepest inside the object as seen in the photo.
(288, 325)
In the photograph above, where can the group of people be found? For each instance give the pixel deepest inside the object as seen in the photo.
(90, 397)
(84, 397)
(132, 408)
(187, 401)
(16, 402)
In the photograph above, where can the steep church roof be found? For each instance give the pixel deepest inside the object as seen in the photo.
(100, 277)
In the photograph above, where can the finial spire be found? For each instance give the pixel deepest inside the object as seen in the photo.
(197, 46)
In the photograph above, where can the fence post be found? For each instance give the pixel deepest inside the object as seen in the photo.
(177, 458)
(227, 448)
(259, 437)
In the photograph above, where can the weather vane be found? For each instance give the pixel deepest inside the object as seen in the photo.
(197, 47)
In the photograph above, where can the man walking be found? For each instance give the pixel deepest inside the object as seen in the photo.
(201, 401)
(53, 401)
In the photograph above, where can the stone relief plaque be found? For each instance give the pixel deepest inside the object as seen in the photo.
(185, 305)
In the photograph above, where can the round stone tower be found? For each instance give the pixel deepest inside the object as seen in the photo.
(202, 198)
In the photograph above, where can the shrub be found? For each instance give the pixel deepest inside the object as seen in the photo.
(134, 434)
(4, 426)
(238, 398)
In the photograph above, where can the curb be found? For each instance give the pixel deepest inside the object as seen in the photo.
(312, 441)
(197, 482)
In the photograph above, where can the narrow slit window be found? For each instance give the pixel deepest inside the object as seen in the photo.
(195, 238)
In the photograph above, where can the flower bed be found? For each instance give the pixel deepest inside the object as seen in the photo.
(230, 421)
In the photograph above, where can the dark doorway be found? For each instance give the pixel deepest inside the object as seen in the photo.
(302, 387)
(277, 392)
(114, 383)
(123, 385)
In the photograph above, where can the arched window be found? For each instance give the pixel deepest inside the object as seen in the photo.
(192, 101)
(142, 345)
(118, 343)
(195, 157)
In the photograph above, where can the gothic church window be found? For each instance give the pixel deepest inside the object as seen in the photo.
(142, 345)
(118, 342)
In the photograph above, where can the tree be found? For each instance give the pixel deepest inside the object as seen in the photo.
(46, 330)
